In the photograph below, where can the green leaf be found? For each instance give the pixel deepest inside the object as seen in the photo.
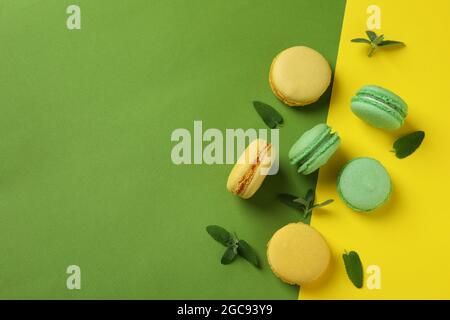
(219, 234)
(406, 145)
(306, 218)
(372, 35)
(305, 205)
(323, 204)
(386, 43)
(309, 198)
(229, 255)
(376, 41)
(354, 269)
(291, 201)
(269, 115)
(372, 51)
(360, 40)
(247, 252)
(379, 39)
(301, 201)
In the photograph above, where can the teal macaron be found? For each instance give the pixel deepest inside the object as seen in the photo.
(364, 184)
(379, 107)
(313, 149)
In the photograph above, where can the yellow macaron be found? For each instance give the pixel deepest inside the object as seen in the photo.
(298, 254)
(251, 169)
(299, 76)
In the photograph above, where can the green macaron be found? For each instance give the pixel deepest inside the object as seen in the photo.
(364, 184)
(379, 107)
(313, 149)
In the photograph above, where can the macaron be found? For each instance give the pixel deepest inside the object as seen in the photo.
(313, 149)
(299, 76)
(298, 254)
(364, 184)
(379, 107)
(251, 169)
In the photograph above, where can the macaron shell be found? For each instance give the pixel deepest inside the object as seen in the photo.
(299, 76)
(364, 184)
(246, 176)
(385, 95)
(376, 114)
(321, 155)
(298, 254)
(266, 162)
(307, 142)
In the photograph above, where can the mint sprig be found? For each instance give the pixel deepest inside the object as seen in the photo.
(234, 245)
(375, 41)
(407, 144)
(268, 114)
(353, 267)
(305, 205)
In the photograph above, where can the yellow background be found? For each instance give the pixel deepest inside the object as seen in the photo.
(409, 237)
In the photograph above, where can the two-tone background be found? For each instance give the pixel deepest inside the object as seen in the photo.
(86, 117)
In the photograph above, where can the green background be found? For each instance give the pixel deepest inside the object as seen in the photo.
(86, 176)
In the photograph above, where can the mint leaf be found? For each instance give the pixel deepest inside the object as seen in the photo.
(292, 201)
(304, 205)
(372, 35)
(301, 201)
(323, 204)
(269, 115)
(386, 43)
(306, 218)
(234, 246)
(309, 197)
(247, 252)
(229, 256)
(360, 40)
(372, 51)
(376, 41)
(379, 39)
(406, 145)
(353, 267)
(219, 234)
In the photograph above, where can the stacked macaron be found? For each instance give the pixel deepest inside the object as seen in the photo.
(313, 149)
(251, 169)
(379, 107)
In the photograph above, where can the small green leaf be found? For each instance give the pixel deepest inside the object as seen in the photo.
(291, 201)
(379, 39)
(360, 40)
(323, 204)
(269, 115)
(372, 51)
(306, 218)
(372, 35)
(406, 145)
(234, 246)
(247, 252)
(354, 269)
(309, 197)
(229, 255)
(301, 201)
(219, 234)
(376, 41)
(386, 43)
